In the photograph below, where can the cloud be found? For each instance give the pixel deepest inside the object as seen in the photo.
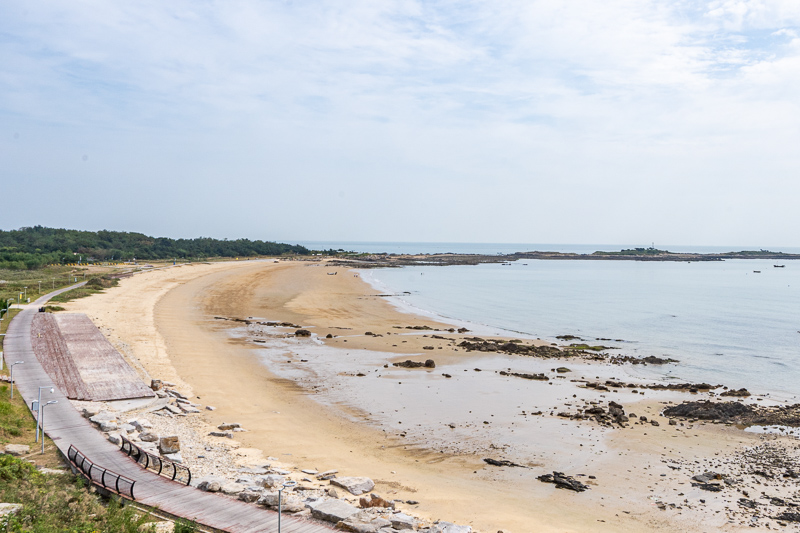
(479, 101)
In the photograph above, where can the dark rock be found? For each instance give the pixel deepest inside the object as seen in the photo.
(495, 462)
(741, 393)
(706, 410)
(302, 333)
(429, 363)
(563, 481)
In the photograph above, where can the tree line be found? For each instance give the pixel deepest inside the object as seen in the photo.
(34, 247)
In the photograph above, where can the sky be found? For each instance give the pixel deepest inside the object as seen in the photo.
(631, 121)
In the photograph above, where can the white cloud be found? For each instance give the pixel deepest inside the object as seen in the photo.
(479, 101)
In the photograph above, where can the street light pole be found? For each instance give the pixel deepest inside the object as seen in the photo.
(286, 485)
(11, 366)
(45, 405)
(39, 407)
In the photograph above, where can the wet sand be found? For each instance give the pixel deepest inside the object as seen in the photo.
(304, 403)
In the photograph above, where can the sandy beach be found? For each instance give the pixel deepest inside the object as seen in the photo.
(338, 403)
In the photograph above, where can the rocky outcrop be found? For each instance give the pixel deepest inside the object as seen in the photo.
(563, 481)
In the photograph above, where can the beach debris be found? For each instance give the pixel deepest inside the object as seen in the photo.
(354, 485)
(408, 363)
(495, 462)
(302, 333)
(449, 527)
(156, 384)
(169, 444)
(562, 481)
(332, 510)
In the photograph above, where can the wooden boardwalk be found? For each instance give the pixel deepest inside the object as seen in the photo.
(81, 361)
(65, 426)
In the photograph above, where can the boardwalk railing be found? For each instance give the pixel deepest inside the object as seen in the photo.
(162, 467)
(101, 476)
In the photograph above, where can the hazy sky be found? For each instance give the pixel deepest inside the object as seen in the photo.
(626, 121)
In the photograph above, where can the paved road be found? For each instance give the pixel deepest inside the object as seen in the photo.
(65, 426)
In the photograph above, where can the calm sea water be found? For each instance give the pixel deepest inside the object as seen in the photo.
(724, 322)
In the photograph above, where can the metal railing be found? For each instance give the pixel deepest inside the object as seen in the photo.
(163, 467)
(98, 475)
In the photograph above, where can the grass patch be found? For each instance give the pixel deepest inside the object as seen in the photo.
(54, 503)
(93, 286)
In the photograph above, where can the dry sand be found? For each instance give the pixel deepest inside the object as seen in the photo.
(163, 321)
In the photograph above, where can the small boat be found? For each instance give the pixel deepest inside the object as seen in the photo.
(756, 272)
(779, 266)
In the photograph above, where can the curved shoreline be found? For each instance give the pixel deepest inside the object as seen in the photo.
(225, 373)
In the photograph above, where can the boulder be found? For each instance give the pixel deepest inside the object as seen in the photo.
(156, 384)
(114, 439)
(109, 426)
(17, 450)
(249, 496)
(354, 485)
(403, 521)
(228, 426)
(363, 523)
(232, 488)
(374, 501)
(169, 444)
(447, 527)
(270, 481)
(148, 437)
(90, 411)
(302, 333)
(210, 484)
(9, 508)
(141, 424)
(174, 457)
(332, 510)
(290, 503)
(103, 416)
(127, 428)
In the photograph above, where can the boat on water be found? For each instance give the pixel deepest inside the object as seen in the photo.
(756, 272)
(779, 266)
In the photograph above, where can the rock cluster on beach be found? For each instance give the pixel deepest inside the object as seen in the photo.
(218, 464)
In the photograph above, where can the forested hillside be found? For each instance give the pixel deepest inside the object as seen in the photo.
(33, 247)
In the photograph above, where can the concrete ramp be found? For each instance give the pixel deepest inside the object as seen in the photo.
(81, 362)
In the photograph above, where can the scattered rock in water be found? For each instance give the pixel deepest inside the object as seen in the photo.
(653, 360)
(563, 481)
(707, 410)
(408, 363)
(741, 393)
(302, 333)
(536, 377)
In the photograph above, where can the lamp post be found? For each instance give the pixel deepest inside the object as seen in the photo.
(39, 406)
(286, 485)
(11, 366)
(42, 418)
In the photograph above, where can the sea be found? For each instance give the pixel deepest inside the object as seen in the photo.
(732, 322)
